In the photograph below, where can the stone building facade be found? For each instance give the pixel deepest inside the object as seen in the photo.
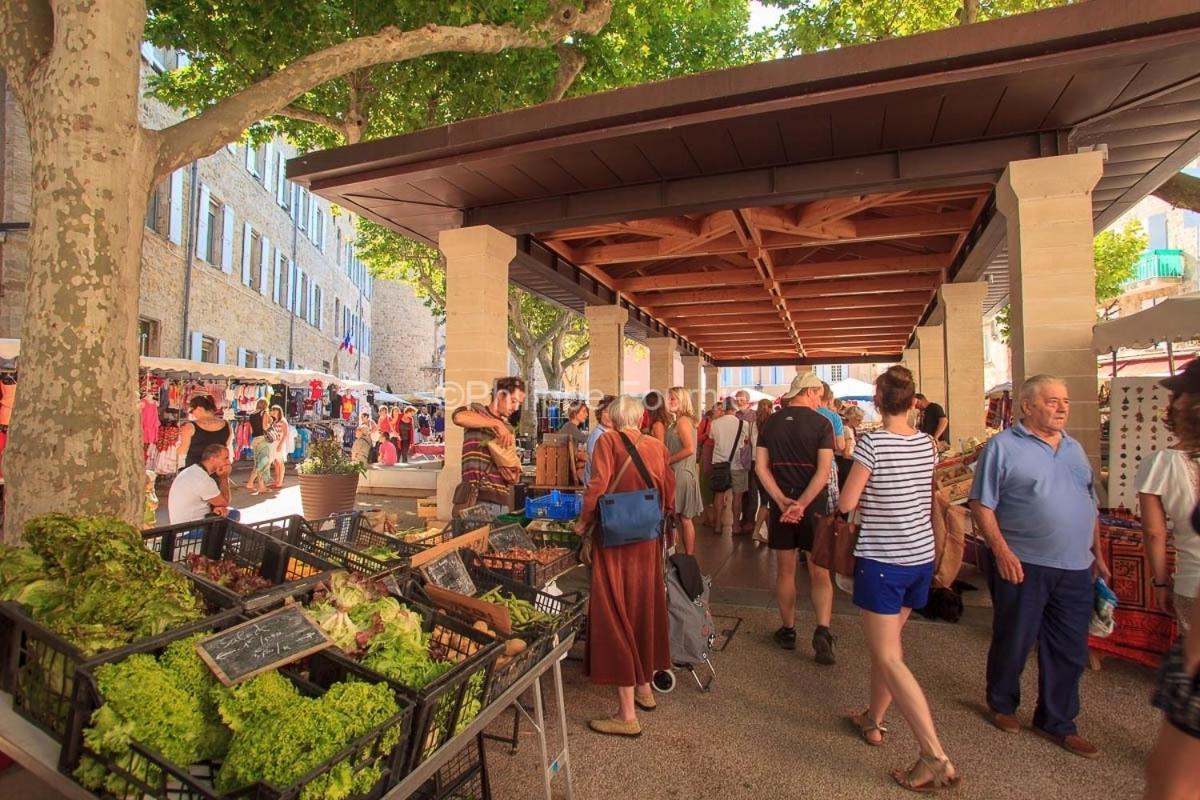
(409, 342)
(264, 275)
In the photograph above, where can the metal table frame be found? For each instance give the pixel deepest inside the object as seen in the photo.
(34, 750)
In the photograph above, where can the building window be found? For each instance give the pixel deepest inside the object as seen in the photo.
(726, 376)
(252, 257)
(208, 350)
(148, 337)
(776, 376)
(747, 376)
(337, 316)
(158, 211)
(837, 372)
(259, 163)
(212, 244)
(1156, 227)
(325, 367)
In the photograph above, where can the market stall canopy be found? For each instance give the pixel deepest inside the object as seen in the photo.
(303, 377)
(10, 348)
(755, 394)
(1176, 319)
(200, 370)
(802, 210)
(852, 388)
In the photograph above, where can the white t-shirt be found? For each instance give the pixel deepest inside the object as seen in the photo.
(190, 494)
(896, 502)
(1172, 475)
(723, 431)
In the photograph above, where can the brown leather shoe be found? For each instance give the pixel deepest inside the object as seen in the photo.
(1071, 743)
(616, 727)
(1005, 722)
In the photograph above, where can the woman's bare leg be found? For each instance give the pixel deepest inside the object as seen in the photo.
(687, 535)
(1171, 770)
(627, 711)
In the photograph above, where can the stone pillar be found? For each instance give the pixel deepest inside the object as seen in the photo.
(1047, 204)
(931, 347)
(712, 385)
(606, 355)
(912, 360)
(477, 260)
(963, 307)
(662, 363)
(693, 379)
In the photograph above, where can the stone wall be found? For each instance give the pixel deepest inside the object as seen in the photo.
(243, 318)
(407, 339)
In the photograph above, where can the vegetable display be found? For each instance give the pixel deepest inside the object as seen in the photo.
(380, 552)
(263, 730)
(92, 581)
(522, 612)
(227, 573)
(544, 555)
(362, 619)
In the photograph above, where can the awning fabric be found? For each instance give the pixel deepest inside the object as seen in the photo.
(1175, 319)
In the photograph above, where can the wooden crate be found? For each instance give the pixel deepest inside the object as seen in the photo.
(427, 508)
(553, 465)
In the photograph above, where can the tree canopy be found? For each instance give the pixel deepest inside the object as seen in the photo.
(811, 25)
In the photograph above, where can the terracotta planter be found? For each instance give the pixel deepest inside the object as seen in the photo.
(324, 495)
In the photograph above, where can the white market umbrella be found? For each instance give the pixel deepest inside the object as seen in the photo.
(852, 387)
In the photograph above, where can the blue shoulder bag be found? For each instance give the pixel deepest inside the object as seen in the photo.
(628, 517)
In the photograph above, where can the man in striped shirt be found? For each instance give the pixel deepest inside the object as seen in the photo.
(484, 425)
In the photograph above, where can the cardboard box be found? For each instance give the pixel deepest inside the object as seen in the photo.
(427, 508)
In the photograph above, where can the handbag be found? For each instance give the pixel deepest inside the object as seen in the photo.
(721, 478)
(834, 540)
(628, 517)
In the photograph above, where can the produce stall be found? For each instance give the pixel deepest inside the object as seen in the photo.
(395, 688)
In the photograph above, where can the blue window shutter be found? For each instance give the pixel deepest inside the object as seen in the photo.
(220, 351)
(202, 228)
(264, 266)
(247, 232)
(175, 226)
(278, 258)
(196, 345)
(241, 362)
(227, 239)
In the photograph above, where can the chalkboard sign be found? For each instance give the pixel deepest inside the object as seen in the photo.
(450, 573)
(272, 640)
(509, 537)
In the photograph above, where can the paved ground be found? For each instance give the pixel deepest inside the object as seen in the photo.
(772, 727)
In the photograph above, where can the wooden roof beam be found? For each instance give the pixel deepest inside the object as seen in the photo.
(691, 280)
(858, 301)
(764, 307)
(714, 296)
(912, 312)
(852, 286)
(788, 273)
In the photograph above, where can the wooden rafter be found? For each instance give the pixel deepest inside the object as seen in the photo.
(853, 286)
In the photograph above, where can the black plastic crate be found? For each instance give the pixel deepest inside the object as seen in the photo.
(157, 778)
(529, 571)
(38, 666)
(464, 778)
(265, 555)
(341, 539)
(442, 707)
(539, 638)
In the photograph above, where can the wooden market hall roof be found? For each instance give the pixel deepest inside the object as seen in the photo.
(804, 209)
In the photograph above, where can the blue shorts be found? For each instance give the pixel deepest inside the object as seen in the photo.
(886, 588)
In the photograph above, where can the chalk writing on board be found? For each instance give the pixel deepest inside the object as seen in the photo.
(261, 644)
(510, 537)
(451, 574)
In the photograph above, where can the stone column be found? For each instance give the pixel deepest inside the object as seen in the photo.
(963, 307)
(693, 379)
(931, 347)
(912, 360)
(477, 260)
(606, 357)
(662, 363)
(712, 385)
(1047, 204)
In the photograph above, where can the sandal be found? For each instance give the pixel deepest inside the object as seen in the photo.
(866, 726)
(938, 770)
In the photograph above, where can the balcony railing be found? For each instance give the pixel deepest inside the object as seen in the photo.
(1158, 264)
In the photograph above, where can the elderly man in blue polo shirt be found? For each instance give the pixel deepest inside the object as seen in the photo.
(1034, 503)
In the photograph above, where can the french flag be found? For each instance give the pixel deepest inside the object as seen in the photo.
(347, 344)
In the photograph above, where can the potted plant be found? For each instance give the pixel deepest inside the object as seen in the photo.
(328, 480)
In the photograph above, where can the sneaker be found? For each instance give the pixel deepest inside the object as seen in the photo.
(822, 643)
(786, 638)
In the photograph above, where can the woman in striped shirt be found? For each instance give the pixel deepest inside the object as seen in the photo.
(891, 483)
